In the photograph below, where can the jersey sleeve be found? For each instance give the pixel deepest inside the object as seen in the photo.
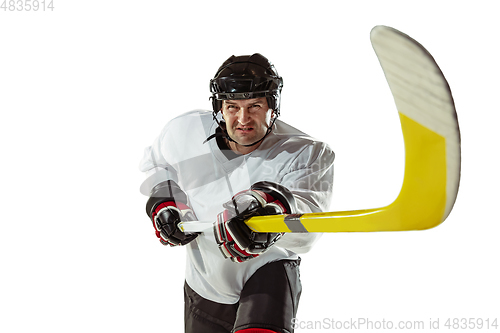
(310, 179)
(180, 140)
(154, 164)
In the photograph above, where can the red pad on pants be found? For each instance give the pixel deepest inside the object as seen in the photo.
(256, 330)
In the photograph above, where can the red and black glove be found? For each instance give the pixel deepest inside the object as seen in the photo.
(235, 239)
(167, 207)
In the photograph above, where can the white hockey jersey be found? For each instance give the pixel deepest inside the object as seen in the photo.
(286, 156)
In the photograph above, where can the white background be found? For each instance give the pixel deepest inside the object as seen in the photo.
(86, 87)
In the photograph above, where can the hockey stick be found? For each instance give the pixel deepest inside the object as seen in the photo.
(432, 150)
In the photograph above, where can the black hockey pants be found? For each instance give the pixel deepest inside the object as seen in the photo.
(268, 300)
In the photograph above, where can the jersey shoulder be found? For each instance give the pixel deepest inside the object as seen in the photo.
(296, 146)
(189, 125)
(288, 135)
(190, 116)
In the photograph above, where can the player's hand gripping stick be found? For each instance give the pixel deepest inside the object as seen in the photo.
(167, 207)
(235, 239)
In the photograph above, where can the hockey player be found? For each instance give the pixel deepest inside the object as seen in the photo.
(228, 165)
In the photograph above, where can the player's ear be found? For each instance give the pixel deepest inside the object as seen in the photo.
(222, 114)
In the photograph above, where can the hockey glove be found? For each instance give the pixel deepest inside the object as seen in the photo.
(166, 207)
(235, 239)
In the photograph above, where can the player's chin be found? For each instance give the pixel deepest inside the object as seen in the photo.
(245, 138)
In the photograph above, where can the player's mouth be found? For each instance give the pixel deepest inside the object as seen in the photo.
(244, 129)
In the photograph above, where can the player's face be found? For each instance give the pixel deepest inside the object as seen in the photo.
(247, 120)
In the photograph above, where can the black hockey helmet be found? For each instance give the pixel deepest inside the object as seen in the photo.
(246, 77)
